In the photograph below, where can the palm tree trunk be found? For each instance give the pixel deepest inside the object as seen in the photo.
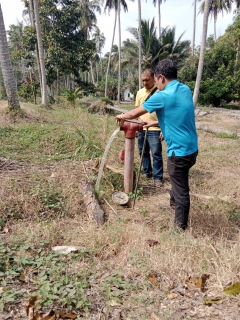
(159, 18)
(97, 70)
(215, 29)
(119, 53)
(93, 81)
(109, 58)
(31, 15)
(7, 71)
(202, 52)
(101, 65)
(58, 84)
(139, 45)
(41, 55)
(194, 26)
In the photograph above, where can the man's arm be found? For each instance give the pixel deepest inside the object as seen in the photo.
(132, 114)
(151, 124)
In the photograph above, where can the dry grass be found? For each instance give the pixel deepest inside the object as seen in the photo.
(211, 244)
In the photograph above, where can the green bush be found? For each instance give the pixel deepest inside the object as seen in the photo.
(26, 92)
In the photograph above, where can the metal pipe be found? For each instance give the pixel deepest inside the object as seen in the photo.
(130, 127)
(129, 165)
(140, 166)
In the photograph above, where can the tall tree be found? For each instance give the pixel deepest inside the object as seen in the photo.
(159, 2)
(44, 92)
(67, 51)
(202, 51)
(139, 45)
(175, 49)
(89, 18)
(119, 52)
(32, 21)
(6, 66)
(194, 25)
(99, 39)
(215, 7)
(109, 5)
(155, 49)
(150, 44)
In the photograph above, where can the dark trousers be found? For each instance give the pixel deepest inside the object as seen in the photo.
(178, 169)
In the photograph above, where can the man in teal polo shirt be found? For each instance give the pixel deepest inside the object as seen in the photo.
(174, 107)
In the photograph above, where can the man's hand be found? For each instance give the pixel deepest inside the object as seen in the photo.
(151, 124)
(119, 119)
(132, 114)
(161, 137)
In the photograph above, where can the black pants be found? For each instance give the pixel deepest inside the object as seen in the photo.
(178, 169)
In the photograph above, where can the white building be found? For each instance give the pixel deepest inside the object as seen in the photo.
(127, 95)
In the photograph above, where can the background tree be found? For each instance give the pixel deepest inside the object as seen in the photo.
(155, 49)
(88, 21)
(67, 51)
(88, 10)
(44, 92)
(100, 40)
(6, 66)
(159, 3)
(139, 45)
(194, 24)
(109, 5)
(202, 52)
(176, 49)
(215, 7)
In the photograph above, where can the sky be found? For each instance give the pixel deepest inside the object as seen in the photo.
(174, 13)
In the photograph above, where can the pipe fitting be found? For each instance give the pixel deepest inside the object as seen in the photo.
(130, 129)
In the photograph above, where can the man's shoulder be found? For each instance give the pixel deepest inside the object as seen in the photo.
(141, 91)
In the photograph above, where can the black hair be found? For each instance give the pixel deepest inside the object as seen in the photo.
(167, 68)
(148, 70)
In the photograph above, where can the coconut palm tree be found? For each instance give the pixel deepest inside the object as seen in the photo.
(139, 45)
(150, 44)
(41, 55)
(88, 9)
(89, 20)
(130, 55)
(119, 52)
(15, 43)
(202, 51)
(32, 21)
(194, 25)
(155, 49)
(109, 5)
(215, 7)
(100, 40)
(6, 66)
(159, 2)
(175, 49)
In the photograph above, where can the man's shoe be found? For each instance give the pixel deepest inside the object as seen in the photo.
(158, 183)
(148, 176)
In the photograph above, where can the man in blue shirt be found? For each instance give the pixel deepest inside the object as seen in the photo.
(174, 107)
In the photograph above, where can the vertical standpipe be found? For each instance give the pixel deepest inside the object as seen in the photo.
(130, 129)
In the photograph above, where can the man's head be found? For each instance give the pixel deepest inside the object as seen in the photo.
(164, 72)
(147, 78)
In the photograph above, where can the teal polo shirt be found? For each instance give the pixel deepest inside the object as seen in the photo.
(175, 112)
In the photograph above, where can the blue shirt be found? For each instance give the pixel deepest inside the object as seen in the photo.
(175, 111)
